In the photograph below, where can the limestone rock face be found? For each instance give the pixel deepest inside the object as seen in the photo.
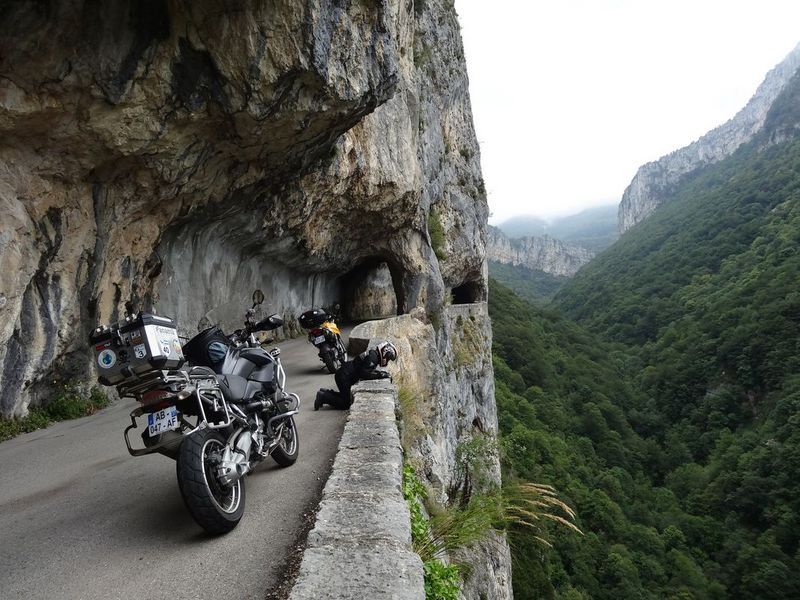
(655, 180)
(538, 253)
(175, 156)
(446, 388)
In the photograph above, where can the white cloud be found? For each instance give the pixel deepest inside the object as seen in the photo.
(570, 97)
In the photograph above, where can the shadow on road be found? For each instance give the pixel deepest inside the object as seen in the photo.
(315, 370)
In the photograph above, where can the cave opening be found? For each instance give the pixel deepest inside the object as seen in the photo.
(468, 292)
(372, 290)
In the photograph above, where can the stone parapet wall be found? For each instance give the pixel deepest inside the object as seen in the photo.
(360, 546)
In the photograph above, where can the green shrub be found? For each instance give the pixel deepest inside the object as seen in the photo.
(67, 405)
(473, 465)
(36, 419)
(414, 492)
(70, 403)
(442, 581)
(518, 505)
(529, 506)
(459, 525)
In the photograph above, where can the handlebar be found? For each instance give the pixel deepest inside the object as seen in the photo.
(251, 327)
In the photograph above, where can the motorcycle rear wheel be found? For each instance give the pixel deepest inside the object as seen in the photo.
(285, 453)
(328, 356)
(341, 350)
(215, 508)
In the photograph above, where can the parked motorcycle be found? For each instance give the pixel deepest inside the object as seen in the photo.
(218, 416)
(325, 335)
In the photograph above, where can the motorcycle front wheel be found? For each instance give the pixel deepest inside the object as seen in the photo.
(285, 453)
(216, 509)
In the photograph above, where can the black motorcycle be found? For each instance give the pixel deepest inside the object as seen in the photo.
(325, 335)
(218, 416)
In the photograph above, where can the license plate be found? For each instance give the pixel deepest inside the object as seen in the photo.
(163, 420)
(319, 339)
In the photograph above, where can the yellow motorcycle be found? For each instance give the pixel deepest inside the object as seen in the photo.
(326, 337)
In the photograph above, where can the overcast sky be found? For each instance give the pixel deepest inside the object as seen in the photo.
(569, 97)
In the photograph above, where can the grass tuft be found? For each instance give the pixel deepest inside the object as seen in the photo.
(411, 423)
(436, 231)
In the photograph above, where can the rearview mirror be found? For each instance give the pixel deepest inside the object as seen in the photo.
(258, 298)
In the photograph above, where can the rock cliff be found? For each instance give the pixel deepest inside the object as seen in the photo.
(538, 253)
(175, 156)
(446, 382)
(654, 181)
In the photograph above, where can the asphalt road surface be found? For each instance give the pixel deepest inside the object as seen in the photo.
(81, 518)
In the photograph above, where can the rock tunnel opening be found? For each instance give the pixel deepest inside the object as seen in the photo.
(372, 290)
(467, 293)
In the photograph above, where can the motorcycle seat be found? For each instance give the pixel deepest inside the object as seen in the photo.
(233, 387)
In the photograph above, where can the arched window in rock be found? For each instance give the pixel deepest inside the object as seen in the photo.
(372, 290)
(468, 292)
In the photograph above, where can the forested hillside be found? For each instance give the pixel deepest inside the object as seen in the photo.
(563, 398)
(594, 228)
(679, 446)
(537, 287)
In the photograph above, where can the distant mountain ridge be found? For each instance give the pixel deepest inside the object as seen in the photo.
(655, 181)
(537, 253)
(593, 228)
(536, 258)
(523, 225)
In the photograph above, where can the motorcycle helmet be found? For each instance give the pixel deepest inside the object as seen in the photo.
(387, 352)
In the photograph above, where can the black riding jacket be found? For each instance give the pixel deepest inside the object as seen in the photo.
(363, 366)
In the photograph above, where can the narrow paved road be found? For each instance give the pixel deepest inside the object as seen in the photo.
(81, 518)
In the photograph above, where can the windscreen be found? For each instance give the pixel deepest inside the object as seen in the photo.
(230, 316)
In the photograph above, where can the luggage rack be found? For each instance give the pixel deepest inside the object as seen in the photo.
(199, 382)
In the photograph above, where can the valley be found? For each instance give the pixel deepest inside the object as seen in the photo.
(658, 391)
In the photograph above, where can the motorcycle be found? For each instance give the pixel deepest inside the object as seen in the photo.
(325, 335)
(217, 416)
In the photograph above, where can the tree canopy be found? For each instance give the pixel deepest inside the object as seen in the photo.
(660, 393)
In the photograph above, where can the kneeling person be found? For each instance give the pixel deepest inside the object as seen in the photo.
(363, 366)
